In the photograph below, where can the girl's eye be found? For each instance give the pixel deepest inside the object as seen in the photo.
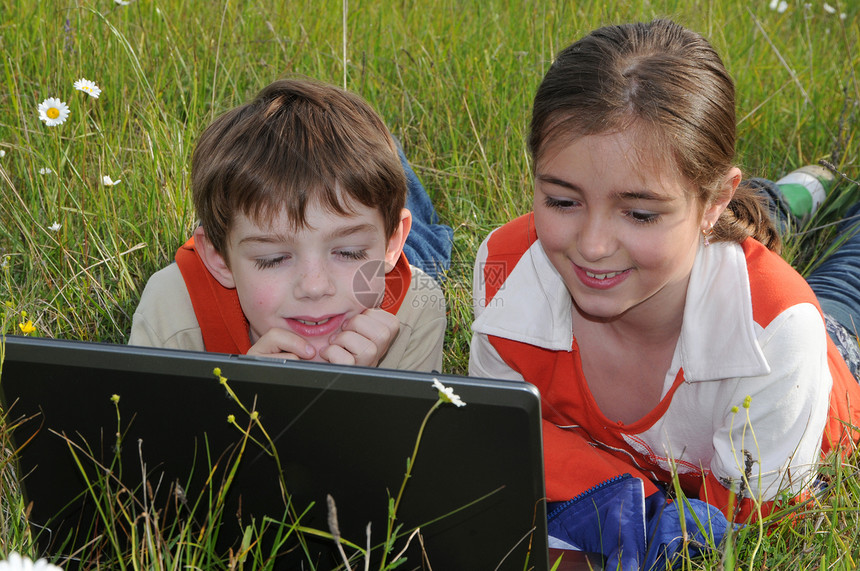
(559, 203)
(643, 217)
(264, 263)
(357, 255)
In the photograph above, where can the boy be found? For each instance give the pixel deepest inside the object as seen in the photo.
(299, 254)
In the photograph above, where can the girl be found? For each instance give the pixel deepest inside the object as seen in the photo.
(645, 297)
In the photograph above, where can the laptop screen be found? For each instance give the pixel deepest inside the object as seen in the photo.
(475, 491)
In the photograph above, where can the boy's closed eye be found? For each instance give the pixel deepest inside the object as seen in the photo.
(264, 263)
(274, 261)
(358, 254)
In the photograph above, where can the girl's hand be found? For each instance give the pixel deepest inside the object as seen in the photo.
(363, 340)
(282, 344)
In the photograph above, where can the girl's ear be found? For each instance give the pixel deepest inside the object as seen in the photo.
(214, 262)
(398, 240)
(715, 208)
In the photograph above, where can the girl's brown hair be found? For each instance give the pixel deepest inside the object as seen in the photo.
(298, 141)
(668, 83)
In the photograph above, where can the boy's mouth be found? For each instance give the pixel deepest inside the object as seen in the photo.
(313, 326)
(307, 322)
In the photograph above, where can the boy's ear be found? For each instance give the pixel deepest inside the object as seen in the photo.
(398, 240)
(214, 262)
(715, 208)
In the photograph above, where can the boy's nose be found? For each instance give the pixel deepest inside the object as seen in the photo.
(596, 239)
(314, 282)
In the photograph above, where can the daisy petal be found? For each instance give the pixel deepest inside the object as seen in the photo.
(16, 562)
(53, 112)
(447, 394)
(88, 87)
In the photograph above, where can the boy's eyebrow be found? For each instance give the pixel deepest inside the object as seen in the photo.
(643, 194)
(345, 231)
(277, 238)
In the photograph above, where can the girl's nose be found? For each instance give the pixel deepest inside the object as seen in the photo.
(596, 238)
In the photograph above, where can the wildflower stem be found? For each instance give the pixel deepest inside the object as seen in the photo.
(757, 500)
(392, 517)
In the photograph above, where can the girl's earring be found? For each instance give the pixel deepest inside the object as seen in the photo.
(706, 234)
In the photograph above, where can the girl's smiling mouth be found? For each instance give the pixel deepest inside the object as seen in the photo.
(596, 279)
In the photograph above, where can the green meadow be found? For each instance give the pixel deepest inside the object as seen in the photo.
(453, 79)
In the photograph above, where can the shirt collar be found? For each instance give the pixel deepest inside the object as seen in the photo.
(532, 305)
(718, 335)
(719, 338)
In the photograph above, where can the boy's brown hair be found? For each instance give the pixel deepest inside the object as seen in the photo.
(297, 142)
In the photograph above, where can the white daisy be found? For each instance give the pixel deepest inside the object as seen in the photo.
(17, 563)
(53, 111)
(447, 393)
(55, 227)
(779, 6)
(45, 170)
(88, 87)
(106, 180)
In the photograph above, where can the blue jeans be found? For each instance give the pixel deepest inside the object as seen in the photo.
(836, 281)
(429, 243)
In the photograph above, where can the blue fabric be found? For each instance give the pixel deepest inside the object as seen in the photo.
(836, 282)
(705, 526)
(608, 519)
(634, 532)
(429, 243)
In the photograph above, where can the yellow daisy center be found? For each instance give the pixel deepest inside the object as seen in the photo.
(52, 113)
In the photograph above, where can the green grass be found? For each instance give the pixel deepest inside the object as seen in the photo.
(454, 80)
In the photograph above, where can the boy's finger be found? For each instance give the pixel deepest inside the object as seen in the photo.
(363, 350)
(377, 325)
(338, 355)
(282, 343)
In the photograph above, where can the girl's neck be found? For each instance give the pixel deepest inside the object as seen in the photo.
(655, 322)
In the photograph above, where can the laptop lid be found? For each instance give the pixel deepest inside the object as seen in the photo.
(476, 488)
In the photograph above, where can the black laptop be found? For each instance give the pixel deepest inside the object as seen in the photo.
(476, 490)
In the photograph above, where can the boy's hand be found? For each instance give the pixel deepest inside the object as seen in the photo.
(282, 344)
(364, 339)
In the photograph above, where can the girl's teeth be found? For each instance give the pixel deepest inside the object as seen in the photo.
(602, 276)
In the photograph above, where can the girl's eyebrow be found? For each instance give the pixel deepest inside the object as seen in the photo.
(556, 181)
(643, 194)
